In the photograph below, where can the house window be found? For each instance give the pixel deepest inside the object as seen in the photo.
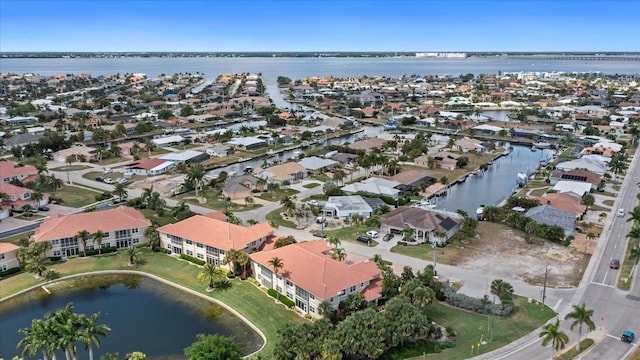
(57, 253)
(134, 230)
(104, 235)
(289, 283)
(200, 256)
(136, 241)
(199, 245)
(331, 300)
(352, 289)
(55, 242)
(1, 256)
(311, 296)
(189, 252)
(3, 267)
(312, 309)
(189, 242)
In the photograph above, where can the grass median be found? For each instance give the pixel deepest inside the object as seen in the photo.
(255, 305)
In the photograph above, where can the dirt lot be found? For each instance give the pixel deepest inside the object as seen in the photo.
(503, 250)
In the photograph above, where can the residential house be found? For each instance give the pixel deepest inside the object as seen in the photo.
(607, 149)
(22, 140)
(442, 159)
(427, 225)
(239, 187)
(573, 188)
(18, 196)
(487, 129)
(121, 227)
(367, 145)
(219, 150)
(77, 153)
(186, 157)
(580, 175)
(595, 163)
(347, 206)
(410, 179)
(469, 145)
(310, 276)
(168, 141)
(314, 164)
(148, 167)
(248, 143)
(564, 202)
(374, 185)
(209, 239)
(547, 214)
(10, 170)
(8, 258)
(290, 171)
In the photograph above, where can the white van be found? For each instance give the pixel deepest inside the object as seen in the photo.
(620, 212)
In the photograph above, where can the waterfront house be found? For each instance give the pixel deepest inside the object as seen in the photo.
(347, 206)
(219, 150)
(209, 239)
(487, 129)
(248, 143)
(310, 276)
(367, 145)
(410, 179)
(442, 159)
(10, 170)
(573, 188)
(314, 164)
(168, 141)
(77, 153)
(425, 224)
(290, 171)
(148, 167)
(121, 227)
(18, 196)
(22, 140)
(374, 185)
(580, 175)
(595, 163)
(8, 258)
(564, 202)
(607, 149)
(186, 157)
(239, 187)
(469, 145)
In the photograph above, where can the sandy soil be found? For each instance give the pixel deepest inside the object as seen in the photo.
(502, 250)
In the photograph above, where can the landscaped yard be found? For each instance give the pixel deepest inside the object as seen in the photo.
(277, 195)
(255, 305)
(15, 238)
(311, 185)
(75, 197)
(350, 233)
(213, 201)
(274, 217)
(160, 220)
(471, 328)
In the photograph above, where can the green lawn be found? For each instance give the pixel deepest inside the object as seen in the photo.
(75, 197)
(14, 239)
(160, 220)
(112, 160)
(277, 195)
(573, 353)
(255, 305)
(350, 233)
(275, 217)
(470, 327)
(71, 168)
(214, 200)
(310, 185)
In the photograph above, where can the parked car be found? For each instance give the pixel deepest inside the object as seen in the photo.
(388, 237)
(628, 336)
(121, 180)
(313, 203)
(615, 264)
(320, 220)
(107, 171)
(43, 208)
(320, 234)
(620, 212)
(99, 178)
(372, 234)
(364, 238)
(108, 181)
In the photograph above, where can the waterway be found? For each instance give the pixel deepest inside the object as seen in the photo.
(144, 315)
(494, 185)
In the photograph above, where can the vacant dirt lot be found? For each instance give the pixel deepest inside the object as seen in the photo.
(500, 249)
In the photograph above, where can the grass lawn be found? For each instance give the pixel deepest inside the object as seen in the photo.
(446, 255)
(275, 217)
(625, 279)
(76, 197)
(214, 201)
(573, 353)
(71, 168)
(113, 160)
(161, 221)
(29, 217)
(244, 297)
(470, 327)
(14, 238)
(310, 185)
(277, 195)
(321, 177)
(350, 233)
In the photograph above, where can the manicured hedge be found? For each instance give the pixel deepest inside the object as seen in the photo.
(96, 252)
(283, 299)
(192, 259)
(9, 272)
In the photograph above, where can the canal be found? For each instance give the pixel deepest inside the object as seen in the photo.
(144, 315)
(494, 185)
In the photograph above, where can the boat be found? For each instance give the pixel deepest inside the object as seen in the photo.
(425, 204)
(522, 178)
(248, 170)
(541, 145)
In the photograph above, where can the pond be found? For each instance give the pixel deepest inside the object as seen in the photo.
(144, 315)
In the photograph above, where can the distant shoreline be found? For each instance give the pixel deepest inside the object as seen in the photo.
(336, 54)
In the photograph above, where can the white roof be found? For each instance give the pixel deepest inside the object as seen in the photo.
(373, 186)
(488, 127)
(168, 140)
(181, 156)
(245, 141)
(593, 163)
(576, 187)
(315, 163)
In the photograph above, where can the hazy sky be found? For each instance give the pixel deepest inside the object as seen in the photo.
(349, 25)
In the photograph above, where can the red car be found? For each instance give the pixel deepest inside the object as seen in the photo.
(615, 264)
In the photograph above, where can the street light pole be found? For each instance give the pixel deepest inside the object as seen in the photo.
(433, 246)
(544, 289)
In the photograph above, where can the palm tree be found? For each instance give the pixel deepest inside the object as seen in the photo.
(338, 254)
(120, 191)
(92, 331)
(66, 326)
(69, 160)
(37, 265)
(134, 255)
(589, 237)
(231, 259)
(551, 333)
(153, 236)
(195, 175)
(34, 339)
(339, 176)
(635, 254)
(289, 204)
(277, 264)
(634, 233)
(28, 209)
(83, 235)
(334, 241)
(97, 240)
(37, 196)
(634, 215)
(210, 273)
(149, 145)
(243, 260)
(581, 315)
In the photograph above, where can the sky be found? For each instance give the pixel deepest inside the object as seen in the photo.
(319, 26)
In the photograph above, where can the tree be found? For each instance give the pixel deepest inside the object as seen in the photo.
(277, 264)
(153, 236)
(83, 235)
(120, 191)
(37, 265)
(69, 160)
(337, 253)
(134, 255)
(244, 260)
(503, 290)
(231, 259)
(326, 310)
(213, 347)
(551, 333)
(210, 273)
(635, 254)
(34, 340)
(97, 240)
(581, 316)
(588, 200)
(92, 331)
(186, 110)
(634, 215)
(334, 241)
(194, 177)
(289, 204)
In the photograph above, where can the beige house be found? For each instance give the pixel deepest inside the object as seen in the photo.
(8, 258)
(290, 171)
(426, 224)
(121, 227)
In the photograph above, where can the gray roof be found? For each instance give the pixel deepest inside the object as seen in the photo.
(316, 163)
(546, 214)
(182, 156)
(427, 220)
(346, 203)
(22, 139)
(373, 186)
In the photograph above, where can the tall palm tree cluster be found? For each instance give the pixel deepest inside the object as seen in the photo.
(634, 233)
(61, 330)
(551, 332)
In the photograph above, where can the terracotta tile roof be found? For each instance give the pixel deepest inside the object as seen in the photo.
(11, 189)
(8, 169)
(146, 164)
(6, 247)
(307, 265)
(577, 175)
(373, 291)
(562, 202)
(62, 226)
(367, 144)
(216, 233)
(218, 215)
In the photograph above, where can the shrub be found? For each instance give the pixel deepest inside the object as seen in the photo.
(481, 306)
(254, 282)
(231, 275)
(9, 272)
(283, 299)
(192, 259)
